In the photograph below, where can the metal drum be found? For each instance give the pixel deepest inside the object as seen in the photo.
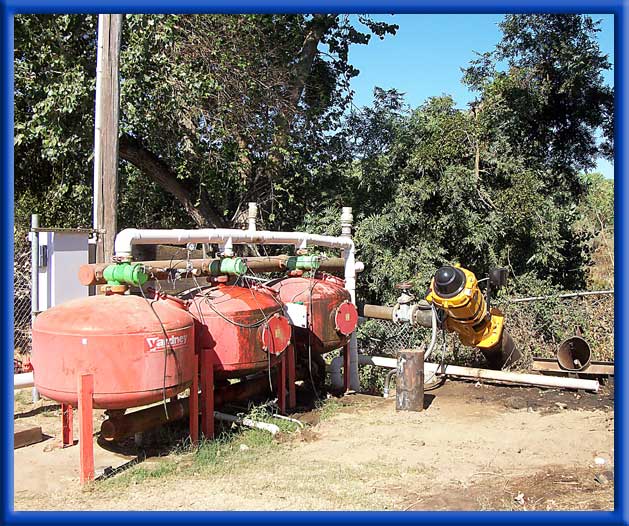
(330, 313)
(243, 328)
(138, 350)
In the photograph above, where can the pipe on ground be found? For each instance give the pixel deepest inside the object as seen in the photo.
(469, 373)
(247, 422)
(23, 381)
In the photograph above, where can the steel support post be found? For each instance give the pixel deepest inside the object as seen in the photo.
(194, 404)
(86, 427)
(290, 356)
(346, 368)
(207, 395)
(281, 384)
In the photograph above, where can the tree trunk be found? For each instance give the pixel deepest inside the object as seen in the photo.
(319, 26)
(203, 214)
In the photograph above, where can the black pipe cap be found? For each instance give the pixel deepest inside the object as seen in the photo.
(449, 281)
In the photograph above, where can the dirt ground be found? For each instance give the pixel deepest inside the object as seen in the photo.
(475, 447)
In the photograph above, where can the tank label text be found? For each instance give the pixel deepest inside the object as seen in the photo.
(175, 341)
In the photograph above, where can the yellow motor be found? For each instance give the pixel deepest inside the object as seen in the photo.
(455, 291)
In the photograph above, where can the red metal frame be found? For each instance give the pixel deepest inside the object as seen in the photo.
(207, 394)
(346, 372)
(86, 427)
(281, 384)
(194, 404)
(67, 436)
(290, 358)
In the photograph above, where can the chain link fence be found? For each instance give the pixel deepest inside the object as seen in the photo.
(537, 327)
(21, 300)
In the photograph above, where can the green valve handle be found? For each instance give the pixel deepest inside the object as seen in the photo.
(234, 266)
(125, 274)
(303, 263)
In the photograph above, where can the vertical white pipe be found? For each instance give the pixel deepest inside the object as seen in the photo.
(347, 220)
(252, 214)
(34, 279)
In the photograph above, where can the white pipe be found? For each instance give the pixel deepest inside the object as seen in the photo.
(248, 422)
(518, 378)
(134, 236)
(23, 380)
(251, 216)
(347, 221)
(468, 372)
(433, 338)
(34, 280)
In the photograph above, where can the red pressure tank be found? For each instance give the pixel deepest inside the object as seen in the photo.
(332, 317)
(120, 340)
(243, 328)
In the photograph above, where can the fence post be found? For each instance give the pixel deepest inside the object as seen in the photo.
(34, 280)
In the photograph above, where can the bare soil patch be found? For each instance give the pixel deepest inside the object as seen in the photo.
(475, 447)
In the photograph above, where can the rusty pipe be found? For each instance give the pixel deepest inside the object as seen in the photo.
(421, 317)
(117, 428)
(378, 312)
(92, 273)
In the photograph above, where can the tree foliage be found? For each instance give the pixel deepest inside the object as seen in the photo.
(218, 110)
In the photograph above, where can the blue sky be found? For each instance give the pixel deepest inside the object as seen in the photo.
(426, 55)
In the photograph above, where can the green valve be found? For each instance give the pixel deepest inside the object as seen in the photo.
(234, 266)
(125, 274)
(303, 263)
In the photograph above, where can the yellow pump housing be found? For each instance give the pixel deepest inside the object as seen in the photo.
(466, 308)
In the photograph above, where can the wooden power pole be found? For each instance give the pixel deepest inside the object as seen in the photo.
(106, 134)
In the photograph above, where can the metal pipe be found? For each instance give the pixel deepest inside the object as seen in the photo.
(387, 382)
(34, 280)
(469, 372)
(93, 273)
(23, 381)
(248, 422)
(569, 295)
(377, 312)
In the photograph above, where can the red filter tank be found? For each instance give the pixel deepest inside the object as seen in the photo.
(243, 328)
(332, 317)
(120, 340)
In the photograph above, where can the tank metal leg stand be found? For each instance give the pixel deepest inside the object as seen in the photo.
(290, 357)
(194, 404)
(207, 395)
(281, 384)
(67, 438)
(346, 368)
(86, 427)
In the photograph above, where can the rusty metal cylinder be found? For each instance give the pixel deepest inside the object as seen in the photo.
(574, 354)
(377, 312)
(409, 391)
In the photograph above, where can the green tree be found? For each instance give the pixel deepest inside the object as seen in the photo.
(214, 110)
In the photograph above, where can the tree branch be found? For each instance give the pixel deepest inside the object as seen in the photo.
(202, 213)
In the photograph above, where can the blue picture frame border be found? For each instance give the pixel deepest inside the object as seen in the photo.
(8, 8)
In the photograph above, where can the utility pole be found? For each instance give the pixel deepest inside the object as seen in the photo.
(106, 135)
